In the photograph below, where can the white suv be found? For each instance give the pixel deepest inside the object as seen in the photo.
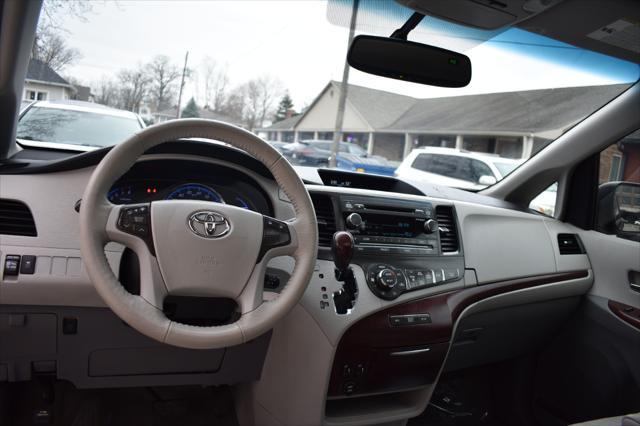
(455, 168)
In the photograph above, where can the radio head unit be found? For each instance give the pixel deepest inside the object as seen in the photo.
(391, 226)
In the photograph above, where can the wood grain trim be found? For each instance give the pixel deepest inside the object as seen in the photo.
(458, 301)
(371, 339)
(627, 313)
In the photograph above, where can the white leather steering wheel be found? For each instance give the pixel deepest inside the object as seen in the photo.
(199, 248)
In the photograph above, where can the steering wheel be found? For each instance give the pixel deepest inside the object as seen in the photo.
(197, 248)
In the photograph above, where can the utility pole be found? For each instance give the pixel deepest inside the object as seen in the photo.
(337, 132)
(184, 73)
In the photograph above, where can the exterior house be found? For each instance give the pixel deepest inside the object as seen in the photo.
(512, 124)
(44, 84)
(621, 162)
(284, 130)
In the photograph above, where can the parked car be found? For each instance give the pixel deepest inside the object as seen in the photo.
(456, 168)
(351, 156)
(278, 145)
(75, 124)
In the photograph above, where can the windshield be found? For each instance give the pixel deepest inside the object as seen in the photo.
(74, 127)
(505, 168)
(275, 68)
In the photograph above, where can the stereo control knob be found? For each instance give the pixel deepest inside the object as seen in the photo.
(387, 279)
(354, 220)
(430, 226)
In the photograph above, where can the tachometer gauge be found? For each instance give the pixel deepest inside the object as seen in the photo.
(195, 191)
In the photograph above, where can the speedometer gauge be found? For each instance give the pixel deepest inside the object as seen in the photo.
(195, 191)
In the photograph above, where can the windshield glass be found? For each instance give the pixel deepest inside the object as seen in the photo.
(275, 68)
(505, 168)
(74, 127)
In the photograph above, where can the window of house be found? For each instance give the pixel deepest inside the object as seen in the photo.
(36, 95)
(614, 172)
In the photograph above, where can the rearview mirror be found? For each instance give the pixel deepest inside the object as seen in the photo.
(619, 209)
(409, 61)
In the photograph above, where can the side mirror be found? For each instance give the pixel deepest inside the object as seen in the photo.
(619, 209)
(487, 180)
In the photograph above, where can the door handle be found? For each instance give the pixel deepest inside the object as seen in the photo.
(634, 280)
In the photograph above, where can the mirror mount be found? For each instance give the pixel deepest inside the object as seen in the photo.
(403, 32)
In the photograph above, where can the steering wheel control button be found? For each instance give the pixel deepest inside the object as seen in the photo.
(11, 264)
(136, 220)
(28, 265)
(275, 233)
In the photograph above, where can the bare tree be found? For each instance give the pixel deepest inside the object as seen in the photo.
(234, 104)
(215, 82)
(50, 48)
(134, 87)
(49, 45)
(162, 75)
(106, 93)
(260, 96)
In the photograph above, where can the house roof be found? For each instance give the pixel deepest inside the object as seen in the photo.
(379, 108)
(530, 111)
(286, 124)
(39, 71)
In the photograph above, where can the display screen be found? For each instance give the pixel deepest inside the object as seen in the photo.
(384, 225)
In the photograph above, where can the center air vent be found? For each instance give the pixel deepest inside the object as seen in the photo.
(16, 219)
(326, 218)
(448, 231)
(569, 244)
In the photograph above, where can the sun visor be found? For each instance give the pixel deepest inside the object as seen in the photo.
(383, 17)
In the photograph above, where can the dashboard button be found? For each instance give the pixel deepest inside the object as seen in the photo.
(451, 274)
(438, 275)
(11, 264)
(28, 264)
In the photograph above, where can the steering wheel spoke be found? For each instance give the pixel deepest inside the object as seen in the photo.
(279, 238)
(130, 225)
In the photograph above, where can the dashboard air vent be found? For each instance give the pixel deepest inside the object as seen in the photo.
(569, 244)
(326, 218)
(16, 219)
(448, 231)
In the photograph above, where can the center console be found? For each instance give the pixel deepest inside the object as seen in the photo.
(403, 247)
(398, 244)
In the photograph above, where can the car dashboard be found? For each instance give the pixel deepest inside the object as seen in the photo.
(420, 287)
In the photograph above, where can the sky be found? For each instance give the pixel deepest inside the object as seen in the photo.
(295, 42)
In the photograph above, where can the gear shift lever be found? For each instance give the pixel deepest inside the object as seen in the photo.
(342, 249)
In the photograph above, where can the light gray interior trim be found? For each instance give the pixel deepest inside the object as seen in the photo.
(611, 259)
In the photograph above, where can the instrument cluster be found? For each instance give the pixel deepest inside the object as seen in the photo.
(151, 182)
